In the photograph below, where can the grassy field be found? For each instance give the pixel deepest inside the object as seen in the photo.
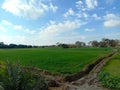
(113, 66)
(110, 74)
(56, 60)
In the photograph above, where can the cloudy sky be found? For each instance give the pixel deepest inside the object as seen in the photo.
(45, 22)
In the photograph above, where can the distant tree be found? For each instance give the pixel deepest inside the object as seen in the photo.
(114, 43)
(58, 43)
(79, 44)
(64, 45)
(12, 45)
(94, 43)
(110, 42)
(29, 46)
(106, 42)
(103, 44)
(117, 42)
(72, 45)
(2, 44)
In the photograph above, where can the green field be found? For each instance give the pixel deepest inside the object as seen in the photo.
(56, 60)
(113, 66)
(110, 74)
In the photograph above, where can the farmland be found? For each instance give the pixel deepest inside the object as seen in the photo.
(56, 60)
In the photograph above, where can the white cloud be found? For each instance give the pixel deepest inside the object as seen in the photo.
(81, 5)
(30, 31)
(112, 23)
(89, 29)
(64, 32)
(70, 12)
(91, 4)
(96, 17)
(55, 29)
(84, 7)
(2, 29)
(76, 15)
(25, 30)
(27, 8)
(17, 39)
(60, 32)
(15, 27)
(85, 15)
(53, 8)
(111, 16)
(18, 27)
(5, 22)
(112, 20)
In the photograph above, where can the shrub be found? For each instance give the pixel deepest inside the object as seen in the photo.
(16, 78)
(1, 88)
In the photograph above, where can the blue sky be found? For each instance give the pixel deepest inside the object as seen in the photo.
(46, 22)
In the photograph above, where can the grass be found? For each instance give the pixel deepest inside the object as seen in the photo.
(113, 66)
(56, 60)
(15, 77)
(110, 74)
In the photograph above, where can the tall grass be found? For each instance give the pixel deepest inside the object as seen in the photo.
(16, 78)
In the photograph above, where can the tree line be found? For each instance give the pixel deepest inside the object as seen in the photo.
(3, 45)
(105, 42)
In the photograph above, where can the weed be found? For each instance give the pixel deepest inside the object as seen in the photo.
(16, 78)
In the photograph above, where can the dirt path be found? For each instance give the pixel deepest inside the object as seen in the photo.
(86, 87)
(90, 81)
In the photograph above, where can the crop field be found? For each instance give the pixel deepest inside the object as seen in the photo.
(56, 60)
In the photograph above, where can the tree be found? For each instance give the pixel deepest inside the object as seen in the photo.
(114, 43)
(2, 44)
(94, 43)
(58, 43)
(12, 45)
(64, 46)
(110, 42)
(79, 44)
(106, 42)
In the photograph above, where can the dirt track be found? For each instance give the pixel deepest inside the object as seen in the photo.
(90, 81)
(86, 87)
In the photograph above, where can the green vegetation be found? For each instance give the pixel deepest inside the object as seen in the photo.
(56, 60)
(110, 74)
(15, 77)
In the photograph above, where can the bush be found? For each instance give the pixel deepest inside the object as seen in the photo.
(1, 88)
(16, 78)
(109, 81)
